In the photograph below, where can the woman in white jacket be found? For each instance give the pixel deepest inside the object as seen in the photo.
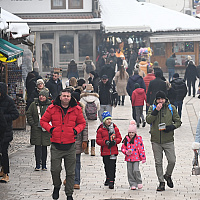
(90, 97)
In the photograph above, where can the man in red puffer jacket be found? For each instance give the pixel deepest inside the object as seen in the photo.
(108, 136)
(67, 121)
(138, 97)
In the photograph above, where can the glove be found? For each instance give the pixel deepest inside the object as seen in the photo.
(169, 128)
(84, 145)
(128, 152)
(107, 142)
(75, 132)
(51, 130)
(143, 161)
(112, 143)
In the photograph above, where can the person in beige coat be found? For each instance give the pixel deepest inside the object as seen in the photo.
(121, 79)
(88, 66)
(89, 97)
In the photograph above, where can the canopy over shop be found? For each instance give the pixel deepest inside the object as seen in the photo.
(143, 22)
(9, 52)
(12, 26)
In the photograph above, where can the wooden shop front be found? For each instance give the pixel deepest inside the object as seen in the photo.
(164, 46)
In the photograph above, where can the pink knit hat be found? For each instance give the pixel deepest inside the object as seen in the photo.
(132, 127)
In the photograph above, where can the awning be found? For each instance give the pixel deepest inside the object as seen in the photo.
(9, 52)
(13, 24)
(175, 38)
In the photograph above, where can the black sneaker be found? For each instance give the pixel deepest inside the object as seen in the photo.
(161, 187)
(55, 194)
(111, 185)
(106, 182)
(169, 180)
(69, 198)
(144, 124)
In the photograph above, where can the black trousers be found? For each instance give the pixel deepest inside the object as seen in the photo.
(110, 167)
(5, 159)
(40, 154)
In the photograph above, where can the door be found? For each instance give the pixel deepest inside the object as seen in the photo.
(47, 56)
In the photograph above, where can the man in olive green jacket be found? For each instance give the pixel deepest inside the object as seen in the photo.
(164, 119)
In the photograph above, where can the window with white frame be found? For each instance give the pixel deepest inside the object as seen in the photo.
(75, 4)
(58, 4)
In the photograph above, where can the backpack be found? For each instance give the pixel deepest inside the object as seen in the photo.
(89, 68)
(91, 111)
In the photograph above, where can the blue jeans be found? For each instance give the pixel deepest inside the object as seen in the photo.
(78, 169)
(171, 73)
(178, 105)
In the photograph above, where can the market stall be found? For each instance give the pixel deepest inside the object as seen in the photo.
(11, 74)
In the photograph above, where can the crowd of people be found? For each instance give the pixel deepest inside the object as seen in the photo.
(82, 112)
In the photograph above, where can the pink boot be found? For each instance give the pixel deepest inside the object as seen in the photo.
(140, 186)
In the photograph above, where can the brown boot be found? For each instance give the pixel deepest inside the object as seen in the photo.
(5, 179)
(76, 186)
(92, 151)
(64, 182)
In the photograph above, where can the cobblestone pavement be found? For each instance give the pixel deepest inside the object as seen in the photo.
(25, 183)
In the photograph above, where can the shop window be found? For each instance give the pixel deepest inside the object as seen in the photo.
(75, 4)
(159, 49)
(85, 45)
(58, 4)
(46, 36)
(183, 47)
(66, 46)
(47, 57)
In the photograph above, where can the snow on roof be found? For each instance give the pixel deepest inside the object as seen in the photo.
(17, 29)
(130, 15)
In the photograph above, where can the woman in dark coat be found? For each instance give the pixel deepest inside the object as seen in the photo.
(94, 80)
(8, 114)
(191, 75)
(72, 70)
(39, 137)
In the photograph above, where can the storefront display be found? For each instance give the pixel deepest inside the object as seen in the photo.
(15, 91)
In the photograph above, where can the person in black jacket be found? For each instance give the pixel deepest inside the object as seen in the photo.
(107, 96)
(9, 113)
(154, 86)
(136, 78)
(181, 90)
(94, 80)
(190, 76)
(54, 85)
(108, 70)
(31, 79)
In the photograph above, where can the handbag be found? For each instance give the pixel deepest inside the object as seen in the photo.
(196, 168)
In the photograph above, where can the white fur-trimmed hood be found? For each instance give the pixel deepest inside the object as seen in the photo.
(195, 146)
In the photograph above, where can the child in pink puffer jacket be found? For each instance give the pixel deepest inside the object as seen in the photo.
(133, 148)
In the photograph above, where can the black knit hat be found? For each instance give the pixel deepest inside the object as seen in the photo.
(158, 74)
(137, 85)
(160, 95)
(176, 75)
(80, 82)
